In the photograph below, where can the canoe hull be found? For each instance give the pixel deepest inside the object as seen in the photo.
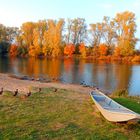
(115, 116)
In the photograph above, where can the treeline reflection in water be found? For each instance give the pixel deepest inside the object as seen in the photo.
(107, 76)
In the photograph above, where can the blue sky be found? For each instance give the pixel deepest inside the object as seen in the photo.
(15, 12)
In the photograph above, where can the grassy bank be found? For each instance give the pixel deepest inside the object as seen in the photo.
(132, 103)
(58, 115)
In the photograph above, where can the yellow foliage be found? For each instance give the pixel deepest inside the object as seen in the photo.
(36, 42)
(52, 38)
(125, 29)
(32, 51)
(117, 52)
(82, 49)
(27, 33)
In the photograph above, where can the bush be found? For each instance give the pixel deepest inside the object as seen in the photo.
(13, 50)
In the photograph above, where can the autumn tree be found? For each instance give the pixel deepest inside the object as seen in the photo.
(95, 51)
(22, 49)
(69, 49)
(103, 49)
(32, 51)
(50, 38)
(12, 33)
(68, 35)
(125, 29)
(96, 34)
(2, 33)
(82, 49)
(35, 49)
(13, 50)
(27, 33)
(89, 51)
(7, 36)
(41, 27)
(117, 52)
(109, 33)
(53, 38)
(95, 38)
(76, 31)
(46, 47)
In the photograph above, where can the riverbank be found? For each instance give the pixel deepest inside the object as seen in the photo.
(11, 84)
(130, 102)
(64, 114)
(61, 114)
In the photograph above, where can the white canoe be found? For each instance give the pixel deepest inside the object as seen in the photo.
(111, 110)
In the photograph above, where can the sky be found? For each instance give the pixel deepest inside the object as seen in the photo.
(15, 12)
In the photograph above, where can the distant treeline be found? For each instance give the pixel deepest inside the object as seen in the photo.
(111, 38)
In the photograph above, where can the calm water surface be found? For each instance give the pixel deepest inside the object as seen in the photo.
(107, 76)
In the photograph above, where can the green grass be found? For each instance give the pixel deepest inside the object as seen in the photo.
(129, 102)
(58, 115)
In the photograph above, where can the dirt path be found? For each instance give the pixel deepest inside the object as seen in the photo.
(11, 84)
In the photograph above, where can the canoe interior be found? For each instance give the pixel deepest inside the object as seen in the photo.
(108, 104)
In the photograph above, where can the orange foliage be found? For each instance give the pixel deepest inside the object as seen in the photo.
(82, 49)
(32, 51)
(13, 50)
(103, 49)
(69, 49)
(117, 51)
(136, 58)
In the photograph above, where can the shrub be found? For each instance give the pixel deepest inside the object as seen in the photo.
(103, 49)
(69, 49)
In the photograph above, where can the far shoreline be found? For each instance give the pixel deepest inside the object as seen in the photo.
(106, 59)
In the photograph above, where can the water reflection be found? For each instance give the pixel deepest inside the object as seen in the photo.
(123, 75)
(104, 75)
(37, 67)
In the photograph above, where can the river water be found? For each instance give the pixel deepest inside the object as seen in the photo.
(107, 76)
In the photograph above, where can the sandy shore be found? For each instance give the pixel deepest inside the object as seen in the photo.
(11, 84)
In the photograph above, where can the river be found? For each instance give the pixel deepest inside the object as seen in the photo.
(107, 76)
